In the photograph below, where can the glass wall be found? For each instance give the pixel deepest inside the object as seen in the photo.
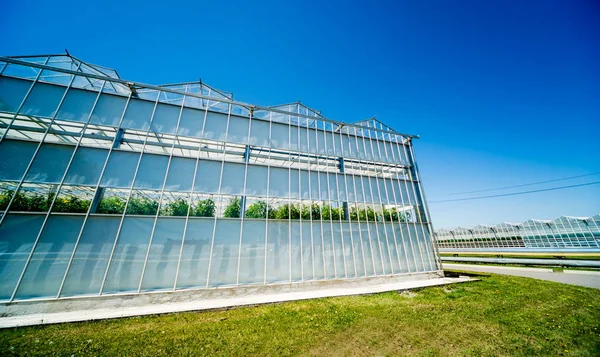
(108, 187)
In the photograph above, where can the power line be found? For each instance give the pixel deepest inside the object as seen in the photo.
(517, 193)
(515, 186)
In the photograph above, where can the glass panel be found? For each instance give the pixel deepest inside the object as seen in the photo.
(164, 254)
(120, 169)
(77, 106)
(15, 158)
(181, 174)
(295, 183)
(349, 255)
(152, 170)
(165, 118)
(392, 244)
(238, 130)
(296, 251)
(307, 251)
(318, 253)
(259, 133)
(305, 184)
(91, 257)
(86, 166)
(138, 114)
(405, 231)
(330, 271)
(376, 248)
(233, 178)
(252, 257)
(50, 163)
(385, 250)
(17, 235)
(278, 182)
(278, 263)
(256, 182)
(224, 265)
(216, 126)
(12, 92)
(108, 110)
(207, 176)
(338, 250)
(43, 100)
(51, 257)
(193, 268)
(128, 259)
(367, 247)
(191, 122)
(359, 256)
(279, 136)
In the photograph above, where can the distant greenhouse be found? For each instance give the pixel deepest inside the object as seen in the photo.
(111, 187)
(563, 232)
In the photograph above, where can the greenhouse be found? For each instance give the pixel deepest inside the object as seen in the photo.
(115, 187)
(563, 232)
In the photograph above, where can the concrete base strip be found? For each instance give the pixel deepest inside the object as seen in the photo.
(105, 313)
(473, 267)
(581, 272)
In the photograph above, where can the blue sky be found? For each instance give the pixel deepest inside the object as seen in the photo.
(501, 92)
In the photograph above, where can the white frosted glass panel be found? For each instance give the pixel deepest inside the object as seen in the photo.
(15, 158)
(296, 251)
(165, 118)
(120, 169)
(330, 144)
(406, 233)
(193, 268)
(318, 256)
(294, 138)
(295, 183)
(380, 150)
(427, 252)
(359, 184)
(314, 185)
(328, 244)
(164, 254)
(50, 163)
(216, 126)
(51, 257)
(324, 189)
(385, 249)
(341, 181)
(91, 256)
(191, 123)
(394, 250)
(12, 92)
(138, 114)
(207, 176)
(338, 250)
(350, 188)
(86, 166)
(77, 106)
(339, 150)
(320, 146)
(238, 130)
(278, 256)
(377, 195)
(233, 178)
(108, 110)
(304, 139)
(368, 249)
(359, 256)
(377, 249)
(280, 136)
(307, 250)
(224, 264)
(181, 174)
(278, 182)
(349, 256)
(127, 262)
(17, 234)
(152, 170)
(256, 182)
(333, 187)
(252, 254)
(304, 184)
(368, 189)
(259, 133)
(43, 100)
(352, 147)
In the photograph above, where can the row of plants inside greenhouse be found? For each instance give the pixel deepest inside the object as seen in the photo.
(141, 205)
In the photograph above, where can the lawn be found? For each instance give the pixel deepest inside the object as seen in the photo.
(497, 316)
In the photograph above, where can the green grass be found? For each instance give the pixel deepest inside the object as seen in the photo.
(497, 316)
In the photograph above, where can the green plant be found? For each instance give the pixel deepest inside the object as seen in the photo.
(259, 209)
(5, 197)
(31, 202)
(204, 208)
(71, 204)
(233, 208)
(111, 205)
(287, 211)
(142, 206)
(179, 207)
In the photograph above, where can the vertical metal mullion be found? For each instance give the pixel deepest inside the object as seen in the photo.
(162, 191)
(301, 201)
(190, 199)
(310, 198)
(212, 244)
(290, 162)
(112, 252)
(268, 189)
(329, 204)
(87, 215)
(33, 83)
(321, 208)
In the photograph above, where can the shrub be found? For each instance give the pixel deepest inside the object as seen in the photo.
(71, 204)
(233, 208)
(204, 208)
(179, 207)
(111, 205)
(142, 206)
(259, 209)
